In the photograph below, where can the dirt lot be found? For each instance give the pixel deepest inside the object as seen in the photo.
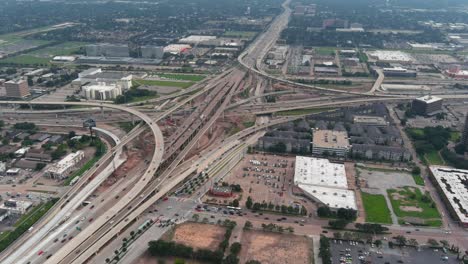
(199, 235)
(274, 248)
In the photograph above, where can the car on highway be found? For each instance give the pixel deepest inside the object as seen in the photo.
(91, 219)
(40, 252)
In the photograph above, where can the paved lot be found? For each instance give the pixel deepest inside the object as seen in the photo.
(383, 180)
(386, 255)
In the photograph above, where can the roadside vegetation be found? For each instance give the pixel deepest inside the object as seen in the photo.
(376, 208)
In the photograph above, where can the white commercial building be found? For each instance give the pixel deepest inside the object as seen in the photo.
(390, 56)
(176, 48)
(97, 76)
(451, 184)
(324, 182)
(102, 91)
(61, 169)
(195, 39)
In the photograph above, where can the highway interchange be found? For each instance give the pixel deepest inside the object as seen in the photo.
(166, 168)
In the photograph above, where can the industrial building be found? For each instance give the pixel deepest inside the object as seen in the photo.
(324, 182)
(102, 91)
(153, 52)
(455, 71)
(17, 89)
(61, 169)
(15, 206)
(391, 56)
(176, 48)
(451, 184)
(95, 76)
(330, 142)
(107, 50)
(196, 39)
(427, 105)
(399, 72)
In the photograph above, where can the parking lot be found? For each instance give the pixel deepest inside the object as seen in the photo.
(352, 252)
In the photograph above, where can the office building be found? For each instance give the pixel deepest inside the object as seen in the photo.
(330, 142)
(102, 91)
(107, 50)
(97, 76)
(427, 105)
(153, 52)
(61, 169)
(324, 182)
(17, 89)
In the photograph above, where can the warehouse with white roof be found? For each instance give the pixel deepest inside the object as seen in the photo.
(324, 182)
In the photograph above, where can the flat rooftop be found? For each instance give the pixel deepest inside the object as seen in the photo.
(330, 139)
(429, 99)
(378, 120)
(315, 171)
(453, 184)
(325, 181)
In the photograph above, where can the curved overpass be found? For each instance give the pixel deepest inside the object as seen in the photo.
(138, 187)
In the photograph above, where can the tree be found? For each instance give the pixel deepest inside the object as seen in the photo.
(378, 243)
(249, 203)
(107, 260)
(401, 240)
(235, 248)
(444, 243)
(432, 242)
(248, 225)
(231, 259)
(195, 217)
(179, 261)
(235, 203)
(337, 235)
(337, 224)
(413, 242)
(253, 262)
(324, 211)
(416, 170)
(71, 134)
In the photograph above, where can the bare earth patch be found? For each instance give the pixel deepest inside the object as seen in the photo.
(411, 209)
(274, 248)
(199, 236)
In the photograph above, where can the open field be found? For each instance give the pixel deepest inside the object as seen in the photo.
(240, 34)
(199, 236)
(376, 208)
(273, 248)
(66, 48)
(182, 85)
(410, 202)
(183, 77)
(25, 59)
(325, 50)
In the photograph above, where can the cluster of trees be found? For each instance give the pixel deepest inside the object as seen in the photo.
(455, 160)
(25, 126)
(341, 213)
(264, 206)
(164, 249)
(371, 228)
(324, 250)
(276, 228)
(132, 94)
(432, 138)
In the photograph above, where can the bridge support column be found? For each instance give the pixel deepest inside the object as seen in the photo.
(102, 110)
(30, 107)
(133, 120)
